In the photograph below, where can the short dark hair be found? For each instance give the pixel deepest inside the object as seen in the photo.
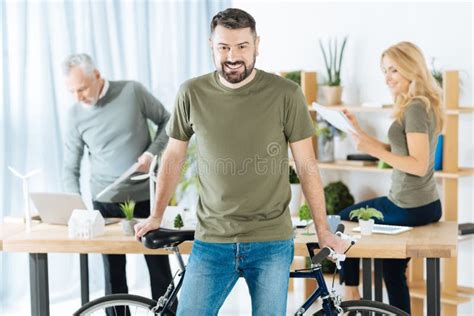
(233, 18)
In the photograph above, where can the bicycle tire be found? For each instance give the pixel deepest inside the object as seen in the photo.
(366, 306)
(116, 300)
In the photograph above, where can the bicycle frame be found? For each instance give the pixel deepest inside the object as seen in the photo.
(321, 291)
(167, 300)
(315, 272)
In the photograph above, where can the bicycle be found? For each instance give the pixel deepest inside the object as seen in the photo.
(170, 240)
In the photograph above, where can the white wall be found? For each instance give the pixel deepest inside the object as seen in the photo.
(289, 34)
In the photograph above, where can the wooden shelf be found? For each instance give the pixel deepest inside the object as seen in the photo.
(358, 109)
(460, 110)
(418, 290)
(462, 172)
(388, 109)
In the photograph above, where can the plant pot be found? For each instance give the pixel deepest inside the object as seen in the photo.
(127, 227)
(295, 201)
(332, 94)
(366, 227)
(325, 149)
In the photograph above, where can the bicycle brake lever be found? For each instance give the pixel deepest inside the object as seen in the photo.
(351, 239)
(337, 258)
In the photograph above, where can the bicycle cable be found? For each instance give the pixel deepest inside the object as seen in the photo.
(335, 270)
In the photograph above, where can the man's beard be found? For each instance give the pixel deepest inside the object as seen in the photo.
(234, 77)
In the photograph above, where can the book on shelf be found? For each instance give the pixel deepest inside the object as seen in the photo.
(356, 163)
(438, 160)
(465, 229)
(361, 157)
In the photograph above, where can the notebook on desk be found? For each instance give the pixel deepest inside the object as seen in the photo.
(386, 229)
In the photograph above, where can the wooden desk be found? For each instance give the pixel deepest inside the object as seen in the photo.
(8, 229)
(431, 242)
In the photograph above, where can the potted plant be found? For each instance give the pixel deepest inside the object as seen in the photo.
(333, 89)
(178, 222)
(305, 215)
(128, 208)
(294, 76)
(365, 216)
(296, 192)
(326, 133)
(338, 197)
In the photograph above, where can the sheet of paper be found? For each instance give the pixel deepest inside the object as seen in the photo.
(127, 174)
(335, 117)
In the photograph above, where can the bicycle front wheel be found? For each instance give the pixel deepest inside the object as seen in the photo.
(365, 307)
(118, 304)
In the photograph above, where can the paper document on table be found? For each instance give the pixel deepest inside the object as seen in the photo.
(335, 117)
(126, 175)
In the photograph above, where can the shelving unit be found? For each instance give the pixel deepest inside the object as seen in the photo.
(452, 294)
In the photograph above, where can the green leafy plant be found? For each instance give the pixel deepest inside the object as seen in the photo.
(366, 213)
(294, 76)
(338, 197)
(334, 63)
(178, 222)
(436, 73)
(128, 208)
(189, 177)
(304, 213)
(293, 176)
(326, 130)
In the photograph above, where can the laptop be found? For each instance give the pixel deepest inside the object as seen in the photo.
(56, 208)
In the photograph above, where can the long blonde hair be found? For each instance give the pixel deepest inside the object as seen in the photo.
(410, 63)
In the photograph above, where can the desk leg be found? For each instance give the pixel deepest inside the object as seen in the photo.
(84, 264)
(367, 278)
(433, 292)
(378, 271)
(39, 288)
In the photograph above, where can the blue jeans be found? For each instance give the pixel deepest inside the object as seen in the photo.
(214, 268)
(393, 269)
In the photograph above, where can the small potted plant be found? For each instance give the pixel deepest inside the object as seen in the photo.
(296, 192)
(178, 222)
(333, 89)
(366, 217)
(305, 215)
(128, 208)
(326, 133)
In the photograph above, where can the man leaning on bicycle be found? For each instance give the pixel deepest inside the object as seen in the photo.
(243, 120)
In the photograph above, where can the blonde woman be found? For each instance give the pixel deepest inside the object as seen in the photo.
(413, 199)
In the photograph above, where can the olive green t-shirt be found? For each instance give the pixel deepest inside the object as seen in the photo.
(409, 190)
(242, 138)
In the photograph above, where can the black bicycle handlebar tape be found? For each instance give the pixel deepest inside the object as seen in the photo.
(340, 228)
(322, 254)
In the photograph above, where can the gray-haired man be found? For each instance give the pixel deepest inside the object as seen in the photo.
(110, 118)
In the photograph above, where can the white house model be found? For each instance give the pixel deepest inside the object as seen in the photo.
(85, 224)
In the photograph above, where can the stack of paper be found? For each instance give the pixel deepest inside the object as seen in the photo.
(335, 117)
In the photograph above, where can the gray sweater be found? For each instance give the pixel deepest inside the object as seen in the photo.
(115, 132)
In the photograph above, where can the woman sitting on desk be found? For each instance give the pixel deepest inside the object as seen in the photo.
(413, 199)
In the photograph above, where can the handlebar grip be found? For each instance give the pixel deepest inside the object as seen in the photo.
(340, 228)
(321, 255)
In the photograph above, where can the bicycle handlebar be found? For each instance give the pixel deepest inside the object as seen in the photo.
(329, 252)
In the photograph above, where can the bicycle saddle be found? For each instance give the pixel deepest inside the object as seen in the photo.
(164, 237)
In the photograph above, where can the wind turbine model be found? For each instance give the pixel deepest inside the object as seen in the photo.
(26, 198)
(151, 175)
